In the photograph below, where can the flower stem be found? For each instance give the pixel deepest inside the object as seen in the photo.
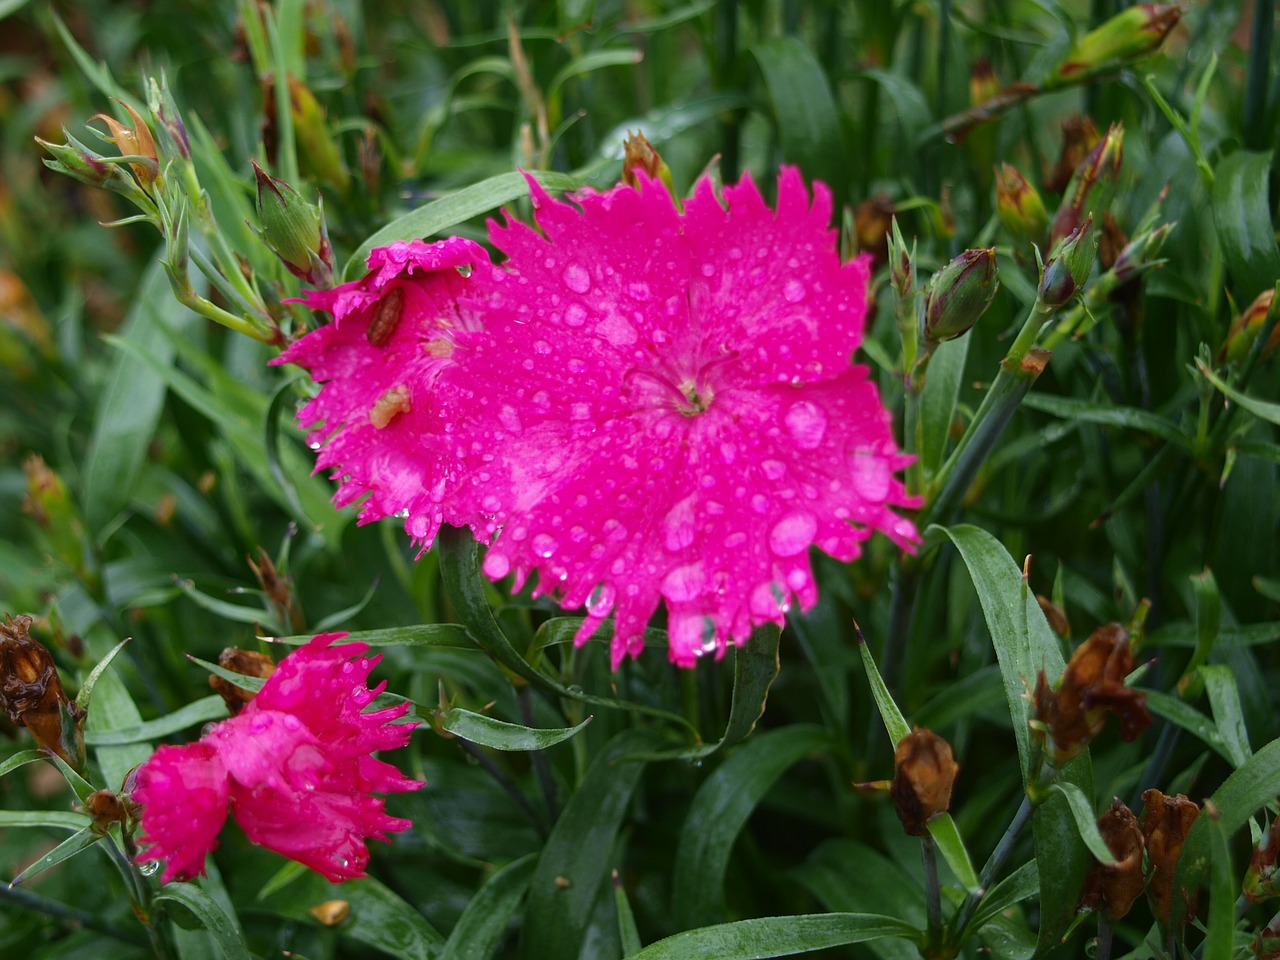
(932, 893)
(509, 786)
(539, 759)
(995, 863)
(26, 900)
(1106, 933)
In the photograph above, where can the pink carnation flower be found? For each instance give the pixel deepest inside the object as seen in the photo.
(295, 766)
(644, 406)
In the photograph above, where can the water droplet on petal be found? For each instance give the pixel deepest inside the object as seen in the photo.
(735, 540)
(496, 566)
(678, 525)
(708, 269)
(544, 545)
(684, 583)
(807, 424)
(575, 315)
(580, 411)
(774, 469)
(792, 534)
(576, 278)
(509, 418)
(793, 291)
(601, 600)
(871, 477)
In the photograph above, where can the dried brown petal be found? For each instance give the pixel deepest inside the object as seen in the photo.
(1111, 890)
(924, 772)
(1165, 824)
(31, 692)
(331, 912)
(247, 663)
(1079, 136)
(872, 221)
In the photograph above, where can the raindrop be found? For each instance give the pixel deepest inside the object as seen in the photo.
(807, 424)
(544, 545)
(576, 278)
(542, 347)
(580, 411)
(792, 534)
(678, 525)
(575, 315)
(149, 869)
(464, 269)
(684, 583)
(735, 540)
(774, 469)
(871, 477)
(509, 418)
(496, 566)
(793, 291)
(601, 600)
(402, 513)
(708, 269)
(577, 365)
(314, 445)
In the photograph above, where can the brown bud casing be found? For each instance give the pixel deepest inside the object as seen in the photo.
(1166, 821)
(247, 663)
(924, 772)
(31, 693)
(1111, 890)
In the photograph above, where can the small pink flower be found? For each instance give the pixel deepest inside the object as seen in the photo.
(642, 405)
(295, 766)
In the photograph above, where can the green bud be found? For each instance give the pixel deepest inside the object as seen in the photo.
(901, 262)
(1068, 268)
(1092, 185)
(294, 230)
(959, 294)
(77, 161)
(317, 150)
(1019, 205)
(1246, 328)
(161, 103)
(1130, 34)
(1141, 253)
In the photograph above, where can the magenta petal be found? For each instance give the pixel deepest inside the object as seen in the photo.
(183, 793)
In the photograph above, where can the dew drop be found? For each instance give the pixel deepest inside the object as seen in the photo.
(541, 401)
(149, 868)
(576, 278)
(774, 469)
(577, 533)
(542, 348)
(871, 477)
(509, 418)
(735, 540)
(601, 600)
(575, 315)
(678, 525)
(792, 534)
(577, 365)
(708, 269)
(807, 424)
(684, 583)
(580, 411)
(759, 503)
(496, 566)
(402, 513)
(544, 545)
(793, 291)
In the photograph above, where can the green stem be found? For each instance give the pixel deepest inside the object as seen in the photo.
(995, 863)
(932, 894)
(24, 899)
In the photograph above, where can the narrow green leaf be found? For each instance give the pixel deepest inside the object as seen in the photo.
(201, 711)
(720, 810)
(235, 612)
(210, 915)
(480, 928)
(938, 400)
(20, 758)
(1241, 212)
(500, 735)
(449, 211)
(628, 935)
(451, 635)
(1224, 700)
(82, 839)
(804, 109)
(775, 937)
(895, 724)
(1106, 414)
(1184, 635)
(1183, 715)
(82, 787)
(1086, 823)
(1269, 412)
(946, 835)
(1020, 885)
(281, 401)
(240, 680)
(590, 62)
(1219, 940)
(1253, 785)
(339, 617)
(58, 819)
(91, 681)
(126, 416)
(575, 860)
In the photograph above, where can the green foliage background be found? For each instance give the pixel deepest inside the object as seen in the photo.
(1123, 473)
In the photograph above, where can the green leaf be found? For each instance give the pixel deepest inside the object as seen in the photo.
(1219, 940)
(210, 915)
(447, 212)
(1269, 412)
(575, 860)
(500, 735)
(938, 400)
(1253, 785)
(1184, 635)
(451, 635)
(895, 724)
(339, 617)
(1082, 813)
(20, 758)
(91, 681)
(482, 924)
(82, 839)
(125, 417)
(590, 62)
(942, 827)
(1190, 719)
(776, 937)
(1241, 213)
(804, 109)
(1224, 700)
(1104, 413)
(720, 810)
(628, 935)
(58, 819)
(201, 711)
(1020, 885)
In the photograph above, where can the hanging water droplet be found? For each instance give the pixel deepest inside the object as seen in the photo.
(149, 868)
(544, 545)
(576, 278)
(464, 269)
(792, 534)
(402, 513)
(807, 424)
(601, 600)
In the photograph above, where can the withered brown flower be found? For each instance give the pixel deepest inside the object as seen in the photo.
(31, 693)
(924, 772)
(1111, 890)
(1091, 686)
(247, 663)
(1165, 824)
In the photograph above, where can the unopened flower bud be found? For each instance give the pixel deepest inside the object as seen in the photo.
(1019, 205)
(959, 294)
(924, 771)
(1110, 889)
(1262, 879)
(77, 161)
(1079, 136)
(1245, 330)
(1130, 34)
(294, 230)
(1068, 268)
(1266, 945)
(639, 155)
(1092, 185)
(1166, 821)
(165, 109)
(134, 141)
(247, 663)
(48, 502)
(31, 693)
(1141, 253)
(1091, 686)
(901, 261)
(982, 82)
(318, 153)
(871, 225)
(106, 808)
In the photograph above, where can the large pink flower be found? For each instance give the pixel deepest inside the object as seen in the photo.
(647, 405)
(295, 766)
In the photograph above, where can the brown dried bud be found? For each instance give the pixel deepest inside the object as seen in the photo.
(872, 220)
(277, 586)
(106, 808)
(1262, 880)
(135, 141)
(31, 693)
(247, 663)
(1092, 685)
(639, 154)
(1056, 616)
(1112, 243)
(1111, 890)
(1165, 824)
(924, 772)
(1079, 136)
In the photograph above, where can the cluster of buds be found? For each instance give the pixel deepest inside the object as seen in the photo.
(1092, 186)
(1092, 685)
(246, 663)
(32, 696)
(924, 772)
(1111, 889)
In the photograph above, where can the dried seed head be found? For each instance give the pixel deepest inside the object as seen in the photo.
(31, 693)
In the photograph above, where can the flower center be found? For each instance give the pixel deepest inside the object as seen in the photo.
(661, 386)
